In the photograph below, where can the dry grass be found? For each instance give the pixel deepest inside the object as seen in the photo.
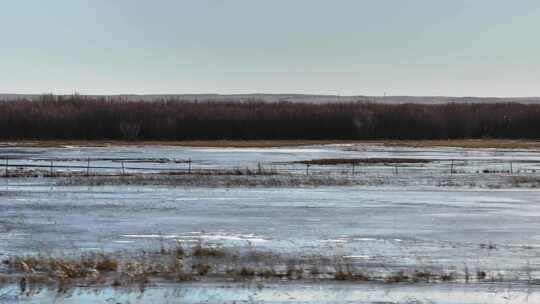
(398, 277)
(64, 269)
(201, 251)
(28, 172)
(209, 180)
(247, 272)
(341, 161)
(349, 276)
(202, 269)
(525, 181)
(107, 264)
(200, 262)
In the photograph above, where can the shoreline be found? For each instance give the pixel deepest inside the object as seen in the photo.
(460, 143)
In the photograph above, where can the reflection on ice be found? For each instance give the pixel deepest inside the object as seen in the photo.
(274, 293)
(199, 236)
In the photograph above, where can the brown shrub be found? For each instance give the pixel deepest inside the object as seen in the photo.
(86, 118)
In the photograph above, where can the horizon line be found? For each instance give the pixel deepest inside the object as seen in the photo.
(270, 94)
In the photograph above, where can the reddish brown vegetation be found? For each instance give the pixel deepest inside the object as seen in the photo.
(82, 118)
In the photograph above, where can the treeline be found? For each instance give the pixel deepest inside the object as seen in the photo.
(83, 118)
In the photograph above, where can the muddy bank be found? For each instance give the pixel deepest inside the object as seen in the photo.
(358, 161)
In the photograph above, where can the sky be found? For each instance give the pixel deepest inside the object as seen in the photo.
(345, 47)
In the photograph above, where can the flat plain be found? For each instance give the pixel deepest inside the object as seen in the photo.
(271, 224)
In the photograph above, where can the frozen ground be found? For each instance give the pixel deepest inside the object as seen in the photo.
(416, 223)
(383, 228)
(175, 158)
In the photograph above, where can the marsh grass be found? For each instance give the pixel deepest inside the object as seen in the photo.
(349, 276)
(201, 251)
(213, 180)
(177, 264)
(23, 171)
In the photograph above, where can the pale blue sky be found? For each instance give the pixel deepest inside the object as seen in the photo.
(402, 47)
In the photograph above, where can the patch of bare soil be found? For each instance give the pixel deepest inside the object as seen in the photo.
(342, 161)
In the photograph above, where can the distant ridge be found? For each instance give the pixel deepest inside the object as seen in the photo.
(297, 98)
